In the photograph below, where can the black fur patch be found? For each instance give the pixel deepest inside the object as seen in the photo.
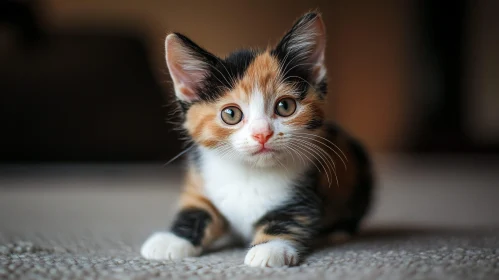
(184, 106)
(361, 198)
(307, 205)
(350, 226)
(314, 123)
(301, 87)
(296, 71)
(222, 72)
(322, 87)
(359, 201)
(333, 131)
(304, 204)
(278, 227)
(190, 224)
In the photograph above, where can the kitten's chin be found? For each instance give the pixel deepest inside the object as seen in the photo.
(260, 159)
(263, 162)
(265, 159)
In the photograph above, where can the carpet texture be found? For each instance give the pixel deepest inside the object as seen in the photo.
(402, 256)
(435, 221)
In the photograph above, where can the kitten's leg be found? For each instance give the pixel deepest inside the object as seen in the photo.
(196, 226)
(193, 230)
(282, 236)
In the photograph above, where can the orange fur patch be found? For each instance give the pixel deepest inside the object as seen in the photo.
(303, 220)
(262, 72)
(261, 237)
(202, 124)
(296, 233)
(192, 198)
(311, 108)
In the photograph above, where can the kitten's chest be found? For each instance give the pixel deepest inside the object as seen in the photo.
(244, 195)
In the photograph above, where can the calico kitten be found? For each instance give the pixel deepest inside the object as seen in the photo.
(264, 165)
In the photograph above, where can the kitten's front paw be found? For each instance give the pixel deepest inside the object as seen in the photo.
(274, 253)
(168, 246)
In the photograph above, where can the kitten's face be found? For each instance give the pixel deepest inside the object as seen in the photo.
(262, 108)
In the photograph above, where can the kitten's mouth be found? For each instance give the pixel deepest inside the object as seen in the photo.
(263, 150)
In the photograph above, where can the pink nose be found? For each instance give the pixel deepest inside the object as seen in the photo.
(263, 137)
(261, 130)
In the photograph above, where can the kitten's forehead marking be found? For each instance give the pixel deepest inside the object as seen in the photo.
(261, 76)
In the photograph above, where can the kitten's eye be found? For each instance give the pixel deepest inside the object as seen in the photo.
(232, 115)
(285, 107)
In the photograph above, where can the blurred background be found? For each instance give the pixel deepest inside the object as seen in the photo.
(85, 131)
(85, 81)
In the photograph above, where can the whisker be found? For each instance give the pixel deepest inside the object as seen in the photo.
(306, 150)
(287, 171)
(293, 151)
(315, 140)
(231, 75)
(336, 146)
(287, 151)
(289, 63)
(221, 148)
(298, 65)
(281, 65)
(288, 77)
(296, 145)
(179, 155)
(322, 151)
(301, 155)
(327, 162)
(223, 76)
(226, 152)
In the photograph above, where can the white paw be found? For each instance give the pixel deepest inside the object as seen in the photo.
(168, 246)
(274, 253)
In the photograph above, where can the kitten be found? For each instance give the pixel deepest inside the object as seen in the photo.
(264, 165)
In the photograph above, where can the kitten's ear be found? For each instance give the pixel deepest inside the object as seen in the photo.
(188, 66)
(305, 43)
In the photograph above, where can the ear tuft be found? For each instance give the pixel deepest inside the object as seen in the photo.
(186, 65)
(305, 43)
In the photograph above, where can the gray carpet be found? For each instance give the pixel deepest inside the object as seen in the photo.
(433, 219)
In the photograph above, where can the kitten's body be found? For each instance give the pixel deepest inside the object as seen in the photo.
(242, 194)
(264, 165)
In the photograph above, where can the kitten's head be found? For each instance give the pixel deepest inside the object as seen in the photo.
(259, 107)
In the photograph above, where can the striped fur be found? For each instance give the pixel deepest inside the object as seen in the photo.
(308, 179)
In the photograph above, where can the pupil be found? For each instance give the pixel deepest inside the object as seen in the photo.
(230, 113)
(284, 105)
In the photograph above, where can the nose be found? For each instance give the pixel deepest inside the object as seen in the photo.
(262, 138)
(261, 131)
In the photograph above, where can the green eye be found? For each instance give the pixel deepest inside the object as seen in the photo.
(232, 115)
(285, 107)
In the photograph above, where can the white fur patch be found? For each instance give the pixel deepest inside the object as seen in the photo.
(242, 193)
(274, 253)
(168, 246)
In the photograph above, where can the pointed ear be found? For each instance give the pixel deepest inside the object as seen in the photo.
(188, 66)
(305, 43)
